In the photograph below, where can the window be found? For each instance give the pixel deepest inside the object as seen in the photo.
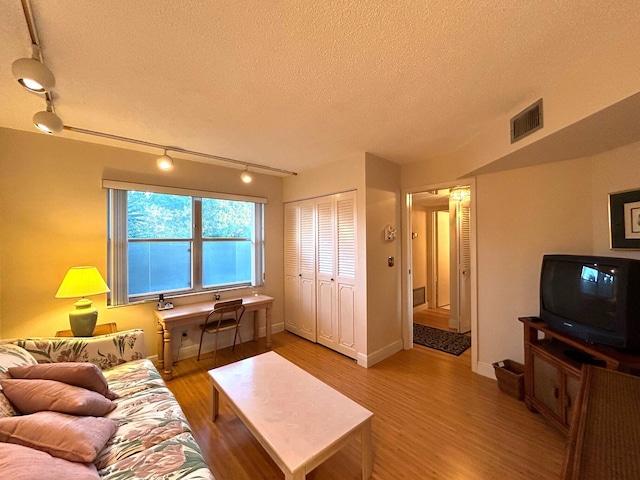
(173, 243)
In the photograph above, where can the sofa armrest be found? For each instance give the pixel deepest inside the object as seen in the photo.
(105, 351)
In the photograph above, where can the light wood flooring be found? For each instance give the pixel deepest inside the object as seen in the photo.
(433, 317)
(434, 419)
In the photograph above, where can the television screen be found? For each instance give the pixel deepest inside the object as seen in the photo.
(581, 290)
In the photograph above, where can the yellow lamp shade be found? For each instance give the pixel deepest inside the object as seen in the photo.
(82, 282)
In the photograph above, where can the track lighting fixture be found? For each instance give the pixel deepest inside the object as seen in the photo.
(47, 121)
(245, 176)
(164, 162)
(32, 74)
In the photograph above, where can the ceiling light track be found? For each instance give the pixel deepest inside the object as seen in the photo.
(34, 75)
(167, 148)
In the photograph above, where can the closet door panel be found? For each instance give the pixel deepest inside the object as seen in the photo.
(291, 268)
(326, 245)
(307, 249)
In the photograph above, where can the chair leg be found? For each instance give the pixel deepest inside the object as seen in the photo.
(200, 347)
(215, 350)
(240, 337)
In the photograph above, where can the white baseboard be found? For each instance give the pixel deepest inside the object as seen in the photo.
(379, 355)
(486, 370)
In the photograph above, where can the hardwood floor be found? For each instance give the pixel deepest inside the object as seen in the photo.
(433, 317)
(434, 419)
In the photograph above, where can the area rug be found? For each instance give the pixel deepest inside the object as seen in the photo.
(448, 342)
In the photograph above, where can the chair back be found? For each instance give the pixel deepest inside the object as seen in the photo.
(222, 309)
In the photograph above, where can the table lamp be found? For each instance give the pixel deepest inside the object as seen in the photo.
(82, 282)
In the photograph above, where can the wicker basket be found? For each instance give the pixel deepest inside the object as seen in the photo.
(510, 377)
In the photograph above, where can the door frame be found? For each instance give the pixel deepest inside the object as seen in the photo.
(407, 292)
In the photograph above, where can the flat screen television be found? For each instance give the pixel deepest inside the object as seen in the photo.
(596, 299)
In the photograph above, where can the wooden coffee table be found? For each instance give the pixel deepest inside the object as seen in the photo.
(299, 420)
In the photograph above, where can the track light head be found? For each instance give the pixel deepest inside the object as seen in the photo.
(33, 75)
(164, 162)
(245, 176)
(47, 122)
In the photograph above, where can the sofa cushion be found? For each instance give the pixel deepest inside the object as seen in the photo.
(105, 351)
(85, 375)
(77, 439)
(24, 463)
(11, 356)
(176, 458)
(139, 434)
(30, 396)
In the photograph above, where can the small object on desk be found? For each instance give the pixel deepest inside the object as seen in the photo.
(102, 329)
(162, 305)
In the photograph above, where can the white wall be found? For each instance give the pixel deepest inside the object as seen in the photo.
(53, 215)
(384, 332)
(523, 214)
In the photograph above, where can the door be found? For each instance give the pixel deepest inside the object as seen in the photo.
(325, 309)
(336, 249)
(291, 268)
(299, 261)
(443, 287)
(307, 273)
(464, 265)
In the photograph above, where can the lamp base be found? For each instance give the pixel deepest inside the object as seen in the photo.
(83, 319)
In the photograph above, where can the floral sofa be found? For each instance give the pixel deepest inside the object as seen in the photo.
(152, 438)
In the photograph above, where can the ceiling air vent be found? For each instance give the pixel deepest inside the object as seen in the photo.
(527, 121)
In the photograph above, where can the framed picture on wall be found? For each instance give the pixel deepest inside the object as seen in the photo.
(624, 219)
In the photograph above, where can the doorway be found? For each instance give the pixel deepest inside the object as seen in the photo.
(441, 257)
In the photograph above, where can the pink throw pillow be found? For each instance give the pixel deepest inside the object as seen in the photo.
(31, 396)
(24, 463)
(77, 439)
(80, 374)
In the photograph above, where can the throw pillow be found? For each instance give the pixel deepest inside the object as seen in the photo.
(10, 356)
(24, 463)
(77, 439)
(31, 396)
(80, 374)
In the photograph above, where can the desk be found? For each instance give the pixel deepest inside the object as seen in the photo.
(196, 313)
(102, 329)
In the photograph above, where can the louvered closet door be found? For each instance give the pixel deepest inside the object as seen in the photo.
(327, 327)
(291, 268)
(345, 279)
(307, 274)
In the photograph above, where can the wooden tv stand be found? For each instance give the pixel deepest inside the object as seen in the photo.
(553, 369)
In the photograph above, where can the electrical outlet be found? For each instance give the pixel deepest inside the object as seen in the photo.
(184, 334)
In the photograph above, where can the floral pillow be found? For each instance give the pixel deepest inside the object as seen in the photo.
(11, 356)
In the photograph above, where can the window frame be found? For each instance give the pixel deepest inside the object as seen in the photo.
(118, 242)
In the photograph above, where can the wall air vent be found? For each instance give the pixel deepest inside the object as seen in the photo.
(527, 121)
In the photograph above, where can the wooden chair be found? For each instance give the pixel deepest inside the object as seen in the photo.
(224, 316)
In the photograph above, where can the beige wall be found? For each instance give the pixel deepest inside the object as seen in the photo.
(523, 214)
(53, 215)
(384, 331)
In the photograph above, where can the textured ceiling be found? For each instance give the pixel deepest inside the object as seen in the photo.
(294, 84)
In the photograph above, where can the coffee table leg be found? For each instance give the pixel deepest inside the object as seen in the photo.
(299, 475)
(367, 450)
(215, 400)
